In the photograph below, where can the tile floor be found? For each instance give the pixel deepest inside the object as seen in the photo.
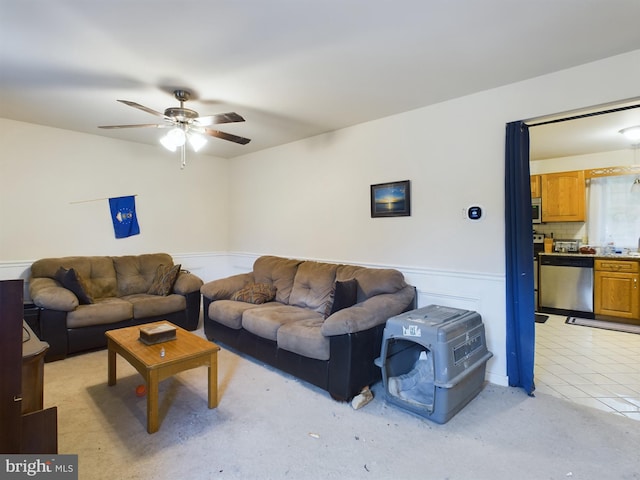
(591, 366)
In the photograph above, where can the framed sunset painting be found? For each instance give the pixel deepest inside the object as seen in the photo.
(391, 199)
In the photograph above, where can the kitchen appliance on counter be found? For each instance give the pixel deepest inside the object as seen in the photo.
(566, 246)
(566, 285)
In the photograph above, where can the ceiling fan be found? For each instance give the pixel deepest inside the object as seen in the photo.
(186, 125)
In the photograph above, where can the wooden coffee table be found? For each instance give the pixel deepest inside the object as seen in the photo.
(187, 351)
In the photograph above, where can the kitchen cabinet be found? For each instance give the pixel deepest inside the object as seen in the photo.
(563, 196)
(536, 189)
(616, 292)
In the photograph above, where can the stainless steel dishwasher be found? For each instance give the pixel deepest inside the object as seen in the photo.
(566, 285)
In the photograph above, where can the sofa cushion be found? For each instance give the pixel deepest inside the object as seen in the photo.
(98, 272)
(146, 305)
(264, 321)
(223, 288)
(255, 293)
(305, 338)
(164, 280)
(372, 281)
(376, 281)
(276, 271)
(368, 314)
(135, 273)
(343, 295)
(47, 293)
(103, 311)
(312, 285)
(229, 313)
(187, 283)
(72, 280)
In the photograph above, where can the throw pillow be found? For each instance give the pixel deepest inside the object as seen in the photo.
(60, 273)
(343, 295)
(255, 293)
(164, 280)
(72, 280)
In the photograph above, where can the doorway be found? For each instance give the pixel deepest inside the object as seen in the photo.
(580, 139)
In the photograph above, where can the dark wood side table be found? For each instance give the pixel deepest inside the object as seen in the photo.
(33, 351)
(39, 426)
(25, 428)
(31, 315)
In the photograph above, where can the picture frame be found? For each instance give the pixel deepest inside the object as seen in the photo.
(391, 199)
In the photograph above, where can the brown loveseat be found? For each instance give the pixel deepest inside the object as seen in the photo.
(318, 321)
(80, 298)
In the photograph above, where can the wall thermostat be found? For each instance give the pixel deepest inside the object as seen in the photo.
(474, 212)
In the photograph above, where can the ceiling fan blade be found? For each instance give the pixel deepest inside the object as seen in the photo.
(144, 109)
(227, 136)
(230, 117)
(141, 125)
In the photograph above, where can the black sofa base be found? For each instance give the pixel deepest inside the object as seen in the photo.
(65, 341)
(349, 369)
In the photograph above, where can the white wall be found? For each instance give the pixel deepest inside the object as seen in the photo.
(44, 171)
(308, 199)
(311, 198)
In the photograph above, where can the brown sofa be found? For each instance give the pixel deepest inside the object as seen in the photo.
(80, 298)
(321, 322)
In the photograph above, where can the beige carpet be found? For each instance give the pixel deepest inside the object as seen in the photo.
(269, 425)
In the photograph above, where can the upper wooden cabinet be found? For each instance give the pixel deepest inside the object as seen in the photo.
(536, 190)
(563, 196)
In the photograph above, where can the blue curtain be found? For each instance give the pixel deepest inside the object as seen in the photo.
(519, 259)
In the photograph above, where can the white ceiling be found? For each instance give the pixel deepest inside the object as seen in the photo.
(590, 132)
(292, 68)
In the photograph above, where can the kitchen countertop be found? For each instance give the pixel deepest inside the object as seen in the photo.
(615, 256)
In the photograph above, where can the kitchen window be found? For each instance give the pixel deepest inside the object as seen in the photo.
(613, 212)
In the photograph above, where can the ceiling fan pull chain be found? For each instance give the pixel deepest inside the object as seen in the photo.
(183, 154)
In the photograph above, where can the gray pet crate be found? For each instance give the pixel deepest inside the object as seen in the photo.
(433, 360)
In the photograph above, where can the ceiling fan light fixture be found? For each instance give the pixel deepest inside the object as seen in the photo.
(185, 125)
(166, 142)
(173, 139)
(632, 133)
(196, 141)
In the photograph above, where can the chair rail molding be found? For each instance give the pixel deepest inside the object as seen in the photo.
(480, 292)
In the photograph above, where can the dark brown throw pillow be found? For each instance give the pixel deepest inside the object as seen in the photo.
(255, 293)
(60, 273)
(343, 295)
(164, 280)
(72, 280)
